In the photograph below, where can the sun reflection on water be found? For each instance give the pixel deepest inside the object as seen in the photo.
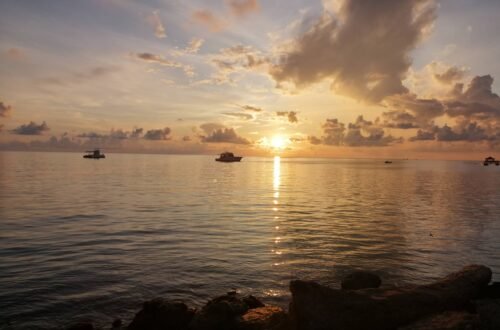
(276, 194)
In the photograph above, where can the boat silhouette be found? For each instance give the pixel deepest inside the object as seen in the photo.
(228, 157)
(94, 154)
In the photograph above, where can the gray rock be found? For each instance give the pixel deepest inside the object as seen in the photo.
(360, 280)
(316, 307)
(160, 314)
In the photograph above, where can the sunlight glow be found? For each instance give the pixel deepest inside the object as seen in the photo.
(279, 142)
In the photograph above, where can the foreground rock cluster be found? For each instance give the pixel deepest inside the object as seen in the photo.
(462, 300)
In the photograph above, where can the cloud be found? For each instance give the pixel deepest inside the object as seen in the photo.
(5, 110)
(31, 129)
(291, 116)
(216, 133)
(153, 58)
(251, 108)
(477, 101)
(243, 7)
(235, 59)
(158, 134)
(114, 134)
(361, 133)
(423, 135)
(364, 49)
(194, 45)
(451, 75)
(409, 111)
(155, 21)
(209, 20)
(240, 115)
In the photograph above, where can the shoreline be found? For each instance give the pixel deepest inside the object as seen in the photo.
(465, 299)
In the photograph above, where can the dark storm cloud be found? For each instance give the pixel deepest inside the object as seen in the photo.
(158, 134)
(361, 133)
(291, 115)
(31, 129)
(365, 51)
(5, 110)
(216, 133)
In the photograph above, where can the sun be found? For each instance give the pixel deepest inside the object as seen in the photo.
(278, 142)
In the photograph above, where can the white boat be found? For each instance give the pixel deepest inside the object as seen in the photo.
(228, 157)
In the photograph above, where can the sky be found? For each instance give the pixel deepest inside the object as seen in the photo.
(298, 78)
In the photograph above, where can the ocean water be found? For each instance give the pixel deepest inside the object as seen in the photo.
(92, 239)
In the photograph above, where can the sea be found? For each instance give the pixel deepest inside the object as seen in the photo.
(91, 240)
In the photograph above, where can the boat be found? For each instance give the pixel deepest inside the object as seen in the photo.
(491, 160)
(94, 154)
(388, 162)
(228, 157)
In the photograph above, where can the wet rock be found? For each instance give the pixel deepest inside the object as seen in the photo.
(360, 280)
(316, 307)
(82, 326)
(160, 314)
(264, 318)
(489, 313)
(223, 312)
(451, 320)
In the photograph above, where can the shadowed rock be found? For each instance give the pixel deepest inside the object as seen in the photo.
(316, 307)
(489, 313)
(452, 320)
(161, 314)
(360, 280)
(224, 312)
(82, 326)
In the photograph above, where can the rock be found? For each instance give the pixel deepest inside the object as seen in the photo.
(491, 291)
(223, 312)
(82, 326)
(117, 323)
(252, 302)
(360, 280)
(452, 320)
(489, 313)
(160, 314)
(316, 307)
(264, 318)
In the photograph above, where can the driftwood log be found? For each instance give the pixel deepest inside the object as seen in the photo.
(316, 307)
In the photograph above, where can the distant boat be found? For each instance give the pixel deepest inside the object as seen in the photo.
(94, 154)
(491, 160)
(388, 162)
(228, 157)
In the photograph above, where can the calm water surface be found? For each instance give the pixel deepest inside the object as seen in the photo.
(93, 239)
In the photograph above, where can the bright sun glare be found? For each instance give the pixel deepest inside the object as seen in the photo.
(278, 142)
